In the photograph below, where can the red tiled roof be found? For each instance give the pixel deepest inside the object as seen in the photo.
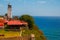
(5, 21)
(1, 24)
(1, 21)
(16, 22)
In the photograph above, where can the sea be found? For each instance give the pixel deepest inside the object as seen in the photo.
(49, 25)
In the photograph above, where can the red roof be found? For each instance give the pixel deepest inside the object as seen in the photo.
(1, 25)
(1, 21)
(5, 21)
(16, 22)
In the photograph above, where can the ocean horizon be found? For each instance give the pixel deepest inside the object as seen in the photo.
(49, 25)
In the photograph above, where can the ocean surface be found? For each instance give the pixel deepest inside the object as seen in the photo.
(49, 25)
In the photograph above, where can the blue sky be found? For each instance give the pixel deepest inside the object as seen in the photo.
(31, 7)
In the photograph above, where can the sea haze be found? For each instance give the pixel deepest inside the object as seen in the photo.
(49, 25)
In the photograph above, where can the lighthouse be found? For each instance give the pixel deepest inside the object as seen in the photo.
(9, 11)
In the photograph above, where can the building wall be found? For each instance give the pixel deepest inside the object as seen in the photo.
(9, 11)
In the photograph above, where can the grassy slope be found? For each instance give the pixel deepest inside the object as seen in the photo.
(38, 34)
(8, 34)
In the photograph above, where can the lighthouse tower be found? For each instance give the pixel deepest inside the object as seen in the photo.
(9, 11)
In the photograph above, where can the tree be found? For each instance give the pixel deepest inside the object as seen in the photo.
(15, 17)
(6, 14)
(28, 19)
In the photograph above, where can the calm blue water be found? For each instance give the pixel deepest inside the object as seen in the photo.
(50, 26)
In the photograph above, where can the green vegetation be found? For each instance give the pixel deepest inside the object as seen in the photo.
(1, 16)
(38, 35)
(28, 19)
(8, 34)
(33, 29)
(6, 14)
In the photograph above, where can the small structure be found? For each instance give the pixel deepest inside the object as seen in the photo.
(16, 24)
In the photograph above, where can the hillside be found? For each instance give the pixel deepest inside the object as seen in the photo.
(26, 32)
